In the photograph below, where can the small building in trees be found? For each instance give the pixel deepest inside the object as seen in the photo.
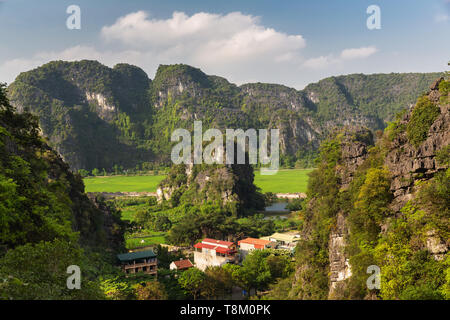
(139, 261)
(248, 244)
(286, 241)
(181, 264)
(211, 253)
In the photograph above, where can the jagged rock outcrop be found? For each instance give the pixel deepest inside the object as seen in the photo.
(340, 268)
(408, 163)
(355, 142)
(227, 185)
(385, 205)
(354, 145)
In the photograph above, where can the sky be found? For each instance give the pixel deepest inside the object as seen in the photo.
(287, 42)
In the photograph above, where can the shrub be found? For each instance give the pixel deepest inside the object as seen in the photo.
(423, 116)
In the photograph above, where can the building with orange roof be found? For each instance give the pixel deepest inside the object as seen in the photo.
(249, 244)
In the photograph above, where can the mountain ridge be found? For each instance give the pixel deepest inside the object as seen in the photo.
(95, 116)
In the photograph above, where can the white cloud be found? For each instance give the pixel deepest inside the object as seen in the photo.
(356, 53)
(319, 62)
(331, 60)
(442, 17)
(235, 46)
(204, 38)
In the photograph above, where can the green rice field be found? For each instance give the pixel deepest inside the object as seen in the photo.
(123, 183)
(285, 181)
(154, 238)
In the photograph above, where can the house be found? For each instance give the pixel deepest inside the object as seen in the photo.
(284, 240)
(181, 264)
(249, 244)
(139, 261)
(211, 252)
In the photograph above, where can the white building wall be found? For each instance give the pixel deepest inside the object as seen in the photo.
(208, 258)
(245, 249)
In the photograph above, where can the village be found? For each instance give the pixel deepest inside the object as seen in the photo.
(208, 253)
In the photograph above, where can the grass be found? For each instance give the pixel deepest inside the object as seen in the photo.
(128, 212)
(285, 181)
(123, 183)
(153, 238)
(129, 206)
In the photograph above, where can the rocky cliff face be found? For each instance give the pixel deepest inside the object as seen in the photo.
(384, 204)
(87, 110)
(202, 181)
(408, 163)
(354, 146)
(355, 143)
(230, 186)
(340, 269)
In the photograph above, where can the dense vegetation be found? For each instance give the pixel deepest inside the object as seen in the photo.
(422, 117)
(46, 221)
(211, 201)
(401, 242)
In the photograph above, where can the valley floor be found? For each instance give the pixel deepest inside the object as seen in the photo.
(285, 181)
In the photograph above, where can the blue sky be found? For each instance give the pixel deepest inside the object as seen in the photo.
(288, 42)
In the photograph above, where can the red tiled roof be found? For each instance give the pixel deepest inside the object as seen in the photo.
(212, 247)
(183, 264)
(223, 250)
(204, 245)
(218, 242)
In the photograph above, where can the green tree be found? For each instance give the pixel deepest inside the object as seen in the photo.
(191, 281)
(150, 290)
(218, 283)
(39, 271)
(83, 173)
(423, 116)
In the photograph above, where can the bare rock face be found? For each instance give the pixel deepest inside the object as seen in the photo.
(225, 184)
(164, 193)
(340, 268)
(104, 109)
(168, 186)
(408, 163)
(354, 145)
(436, 246)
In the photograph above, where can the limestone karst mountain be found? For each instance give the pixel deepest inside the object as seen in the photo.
(384, 205)
(96, 116)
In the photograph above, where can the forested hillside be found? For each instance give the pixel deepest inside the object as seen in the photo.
(385, 205)
(46, 220)
(96, 116)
